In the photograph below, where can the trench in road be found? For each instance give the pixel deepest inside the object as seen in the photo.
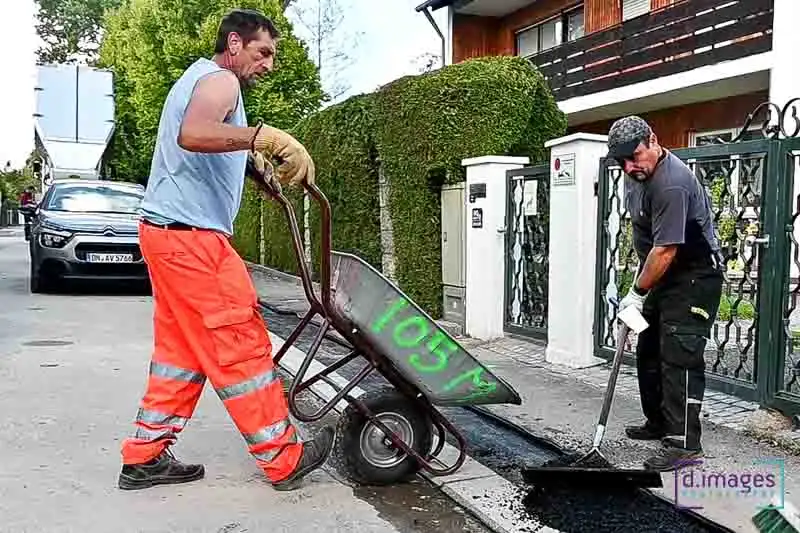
(504, 450)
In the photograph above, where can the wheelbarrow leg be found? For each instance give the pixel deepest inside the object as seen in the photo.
(294, 335)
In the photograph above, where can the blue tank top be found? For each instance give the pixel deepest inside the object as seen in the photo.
(200, 189)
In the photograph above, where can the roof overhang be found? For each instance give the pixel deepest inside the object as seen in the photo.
(433, 5)
(485, 8)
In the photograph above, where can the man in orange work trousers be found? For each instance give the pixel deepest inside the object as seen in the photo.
(207, 323)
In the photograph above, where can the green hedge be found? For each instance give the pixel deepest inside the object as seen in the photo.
(340, 139)
(417, 130)
(428, 124)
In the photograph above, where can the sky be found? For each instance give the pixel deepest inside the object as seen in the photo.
(392, 36)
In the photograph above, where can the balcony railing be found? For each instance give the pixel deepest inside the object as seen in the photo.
(687, 35)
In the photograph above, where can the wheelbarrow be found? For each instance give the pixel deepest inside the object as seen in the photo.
(384, 436)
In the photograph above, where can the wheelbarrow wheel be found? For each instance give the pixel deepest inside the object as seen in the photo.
(365, 455)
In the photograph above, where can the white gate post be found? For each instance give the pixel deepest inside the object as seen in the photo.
(485, 245)
(574, 165)
(783, 86)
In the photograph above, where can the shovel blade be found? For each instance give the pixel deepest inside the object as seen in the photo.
(590, 471)
(597, 478)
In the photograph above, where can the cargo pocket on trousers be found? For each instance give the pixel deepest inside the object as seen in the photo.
(238, 334)
(684, 346)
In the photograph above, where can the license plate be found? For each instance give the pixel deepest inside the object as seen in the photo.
(110, 258)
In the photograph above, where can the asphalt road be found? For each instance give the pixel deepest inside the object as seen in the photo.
(72, 368)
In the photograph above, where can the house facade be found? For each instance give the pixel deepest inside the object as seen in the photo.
(693, 68)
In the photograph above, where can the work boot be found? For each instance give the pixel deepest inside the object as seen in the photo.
(163, 470)
(646, 431)
(315, 452)
(673, 458)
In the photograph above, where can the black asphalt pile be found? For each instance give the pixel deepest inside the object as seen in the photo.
(568, 460)
(506, 450)
(599, 511)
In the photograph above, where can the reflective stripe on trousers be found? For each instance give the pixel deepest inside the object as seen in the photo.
(207, 325)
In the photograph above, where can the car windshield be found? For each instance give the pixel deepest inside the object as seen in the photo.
(95, 199)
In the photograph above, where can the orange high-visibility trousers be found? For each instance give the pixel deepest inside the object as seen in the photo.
(207, 325)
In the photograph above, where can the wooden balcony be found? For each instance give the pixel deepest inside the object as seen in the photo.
(685, 36)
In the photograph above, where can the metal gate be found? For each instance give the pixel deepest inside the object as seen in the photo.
(527, 250)
(754, 186)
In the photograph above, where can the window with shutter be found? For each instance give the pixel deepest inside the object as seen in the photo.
(634, 8)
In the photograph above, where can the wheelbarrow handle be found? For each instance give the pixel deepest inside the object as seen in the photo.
(325, 216)
(326, 243)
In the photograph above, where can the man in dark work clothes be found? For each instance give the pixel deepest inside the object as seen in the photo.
(677, 288)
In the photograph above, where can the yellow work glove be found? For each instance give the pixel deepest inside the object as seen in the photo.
(297, 165)
(265, 170)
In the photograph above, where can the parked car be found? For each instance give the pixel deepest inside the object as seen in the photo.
(86, 229)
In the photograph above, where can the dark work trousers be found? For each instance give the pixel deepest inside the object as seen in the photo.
(670, 353)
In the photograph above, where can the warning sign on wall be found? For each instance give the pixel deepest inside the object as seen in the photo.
(563, 170)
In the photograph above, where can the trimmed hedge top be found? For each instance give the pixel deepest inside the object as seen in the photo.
(417, 130)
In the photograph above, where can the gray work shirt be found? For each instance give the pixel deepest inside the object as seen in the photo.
(672, 207)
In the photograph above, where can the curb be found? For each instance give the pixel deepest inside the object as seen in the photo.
(278, 274)
(496, 502)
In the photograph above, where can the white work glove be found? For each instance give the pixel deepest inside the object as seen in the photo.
(633, 299)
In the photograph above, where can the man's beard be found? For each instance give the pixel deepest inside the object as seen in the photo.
(248, 83)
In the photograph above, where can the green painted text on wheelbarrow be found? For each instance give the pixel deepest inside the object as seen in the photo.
(409, 333)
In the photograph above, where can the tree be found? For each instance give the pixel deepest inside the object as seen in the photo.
(14, 180)
(328, 41)
(71, 30)
(149, 43)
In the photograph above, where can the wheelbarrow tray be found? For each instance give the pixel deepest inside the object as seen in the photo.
(417, 347)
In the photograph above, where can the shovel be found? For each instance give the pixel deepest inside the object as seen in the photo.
(593, 470)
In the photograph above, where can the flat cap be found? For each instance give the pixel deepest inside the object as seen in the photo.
(625, 135)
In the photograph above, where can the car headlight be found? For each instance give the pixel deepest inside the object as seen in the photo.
(52, 238)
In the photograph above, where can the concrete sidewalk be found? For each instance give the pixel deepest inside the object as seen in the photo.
(563, 404)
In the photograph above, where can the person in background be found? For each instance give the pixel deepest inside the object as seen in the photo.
(27, 199)
(677, 288)
(28, 196)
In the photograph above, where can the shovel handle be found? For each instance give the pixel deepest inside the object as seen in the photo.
(612, 382)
